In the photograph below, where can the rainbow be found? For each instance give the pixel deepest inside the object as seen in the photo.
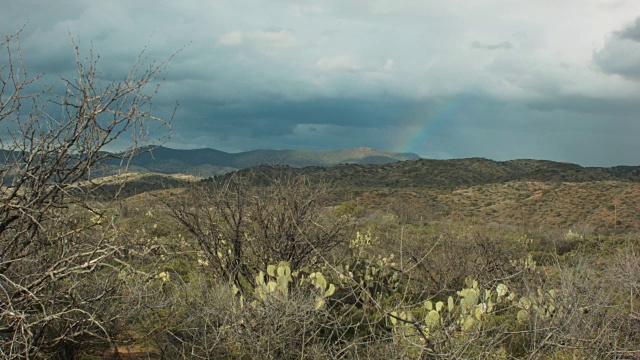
(429, 123)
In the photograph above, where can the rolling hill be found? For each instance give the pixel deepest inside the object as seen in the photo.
(516, 192)
(427, 173)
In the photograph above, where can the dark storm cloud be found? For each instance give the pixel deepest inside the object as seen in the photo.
(616, 107)
(264, 118)
(333, 111)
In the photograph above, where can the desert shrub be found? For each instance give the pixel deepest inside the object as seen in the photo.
(240, 228)
(349, 209)
(441, 256)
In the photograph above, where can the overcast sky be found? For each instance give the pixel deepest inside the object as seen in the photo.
(501, 79)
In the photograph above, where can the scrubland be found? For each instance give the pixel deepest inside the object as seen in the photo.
(226, 269)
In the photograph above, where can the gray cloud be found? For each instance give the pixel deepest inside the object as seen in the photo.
(616, 107)
(621, 52)
(631, 32)
(405, 75)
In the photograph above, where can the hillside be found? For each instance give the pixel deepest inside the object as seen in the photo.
(517, 192)
(586, 205)
(130, 184)
(426, 173)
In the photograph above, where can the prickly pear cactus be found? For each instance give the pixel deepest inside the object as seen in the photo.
(323, 288)
(540, 305)
(275, 282)
(279, 279)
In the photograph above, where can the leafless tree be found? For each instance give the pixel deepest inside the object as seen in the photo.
(289, 224)
(58, 267)
(243, 228)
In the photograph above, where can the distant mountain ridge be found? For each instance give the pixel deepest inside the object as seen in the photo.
(211, 162)
(360, 167)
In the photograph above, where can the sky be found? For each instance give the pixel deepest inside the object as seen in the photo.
(500, 79)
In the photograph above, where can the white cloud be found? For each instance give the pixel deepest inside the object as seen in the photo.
(266, 39)
(274, 38)
(232, 38)
(388, 66)
(339, 62)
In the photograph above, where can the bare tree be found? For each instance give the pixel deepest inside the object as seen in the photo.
(216, 215)
(289, 224)
(243, 228)
(50, 249)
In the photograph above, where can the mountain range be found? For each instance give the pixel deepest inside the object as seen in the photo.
(357, 167)
(210, 162)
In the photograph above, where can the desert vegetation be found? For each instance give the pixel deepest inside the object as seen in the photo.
(272, 263)
(217, 286)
